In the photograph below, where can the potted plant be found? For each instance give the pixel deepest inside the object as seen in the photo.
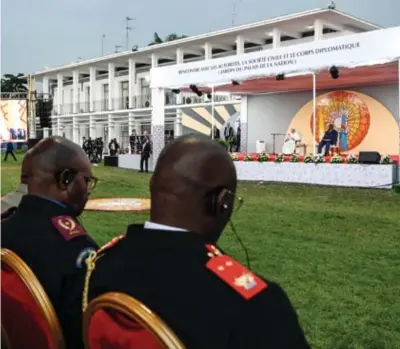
(351, 159)
(234, 157)
(337, 159)
(262, 157)
(248, 157)
(318, 159)
(280, 158)
(308, 159)
(386, 160)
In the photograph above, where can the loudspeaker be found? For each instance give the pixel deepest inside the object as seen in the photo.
(32, 142)
(111, 161)
(369, 157)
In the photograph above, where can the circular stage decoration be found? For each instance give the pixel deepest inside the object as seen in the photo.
(348, 113)
(118, 204)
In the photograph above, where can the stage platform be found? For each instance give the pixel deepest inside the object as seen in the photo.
(344, 175)
(132, 161)
(378, 176)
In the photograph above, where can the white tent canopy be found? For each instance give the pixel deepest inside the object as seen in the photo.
(369, 48)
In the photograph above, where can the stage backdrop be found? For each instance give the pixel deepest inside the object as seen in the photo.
(365, 119)
(198, 120)
(13, 120)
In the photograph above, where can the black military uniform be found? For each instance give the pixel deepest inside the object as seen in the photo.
(145, 154)
(47, 236)
(170, 272)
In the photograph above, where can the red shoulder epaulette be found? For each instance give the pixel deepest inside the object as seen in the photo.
(243, 281)
(68, 227)
(110, 244)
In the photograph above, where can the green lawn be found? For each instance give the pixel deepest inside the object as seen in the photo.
(335, 251)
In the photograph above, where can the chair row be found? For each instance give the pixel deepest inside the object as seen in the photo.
(113, 320)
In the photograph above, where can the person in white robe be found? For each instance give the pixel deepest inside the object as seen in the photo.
(289, 146)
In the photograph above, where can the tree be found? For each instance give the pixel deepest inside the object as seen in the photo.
(14, 83)
(171, 37)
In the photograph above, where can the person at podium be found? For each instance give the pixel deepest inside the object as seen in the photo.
(330, 139)
(289, 146)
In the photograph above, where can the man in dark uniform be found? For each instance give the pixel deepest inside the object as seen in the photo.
(145, 154)
(133, 140)
(45, 231)
(10, 151)
(229, 136)
(171, 265)
(10, 202)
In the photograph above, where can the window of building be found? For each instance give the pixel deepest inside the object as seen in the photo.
(87, 99)
(125, 94)
(105, 96)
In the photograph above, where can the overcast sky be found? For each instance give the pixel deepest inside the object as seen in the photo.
(39, 33)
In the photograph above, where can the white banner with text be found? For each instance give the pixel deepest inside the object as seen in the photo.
(379, 46)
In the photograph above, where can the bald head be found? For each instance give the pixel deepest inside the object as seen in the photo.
(54, 154)
(187, 171)
(61, 171)
(194, 162)
(26, 167)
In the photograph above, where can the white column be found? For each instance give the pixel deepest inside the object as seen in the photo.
(75, 87)
(179, 60)
(59, 128)
(110, 125)
(46, 132)
(46, 86)
(154, 60)
(178, 129)
(60, 93)
(92, 81)
(131, 124)
(111, 81)
(75, 129)
(157, 122)
(179, 55)
(243, 124)
(318, 30)
(92, 127)
(276, 38)
(132, 83)
(207, 51)
(240, 45)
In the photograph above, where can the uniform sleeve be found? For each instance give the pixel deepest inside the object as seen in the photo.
(73, 279)
(268, 321)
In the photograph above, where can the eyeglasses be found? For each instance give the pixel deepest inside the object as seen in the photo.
(238, 201)
(91, 182)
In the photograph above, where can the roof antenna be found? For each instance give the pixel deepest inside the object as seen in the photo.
(332, 6)
(234, 11)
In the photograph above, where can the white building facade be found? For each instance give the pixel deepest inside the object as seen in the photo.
(110, 96)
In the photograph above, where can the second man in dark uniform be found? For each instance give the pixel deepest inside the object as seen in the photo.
(172, 265)
(45, 231)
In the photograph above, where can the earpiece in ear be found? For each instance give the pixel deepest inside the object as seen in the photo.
(67, 176)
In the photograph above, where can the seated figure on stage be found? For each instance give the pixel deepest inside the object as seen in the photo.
(330, 139)
(289, 146)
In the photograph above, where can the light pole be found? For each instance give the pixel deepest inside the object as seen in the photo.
(103, 37)
(128, 29)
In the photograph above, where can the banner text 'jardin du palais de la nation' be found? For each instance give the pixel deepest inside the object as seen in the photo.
(351, 49)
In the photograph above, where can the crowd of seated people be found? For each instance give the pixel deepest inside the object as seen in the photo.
(167, 270)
